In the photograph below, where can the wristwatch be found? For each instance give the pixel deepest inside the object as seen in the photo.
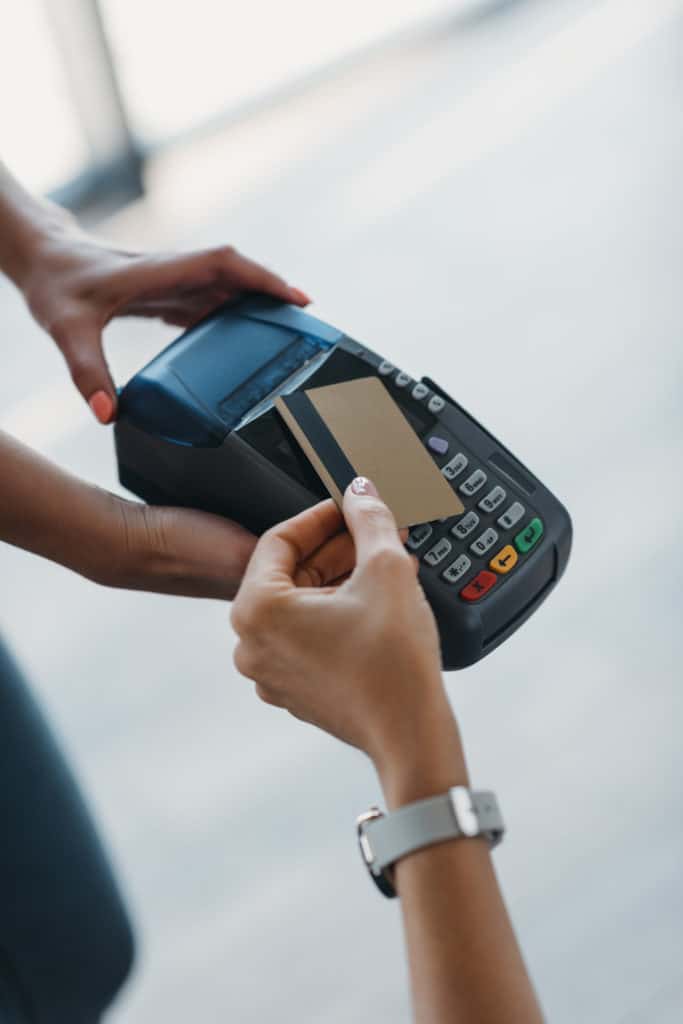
(459, 813)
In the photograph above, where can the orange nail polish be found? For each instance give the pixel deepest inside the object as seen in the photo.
(102, 406)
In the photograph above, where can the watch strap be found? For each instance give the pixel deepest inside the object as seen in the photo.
(457, 813)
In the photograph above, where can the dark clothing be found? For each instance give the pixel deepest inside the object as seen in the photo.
(66, 944)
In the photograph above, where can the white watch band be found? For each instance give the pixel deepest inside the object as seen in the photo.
(385, 838)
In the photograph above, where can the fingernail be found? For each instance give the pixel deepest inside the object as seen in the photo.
(300, 297)
(102, 406)
(361, 485)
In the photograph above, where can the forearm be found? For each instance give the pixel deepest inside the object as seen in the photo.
(112, 541)
(25, 223)
(51, 513)
(465, 963)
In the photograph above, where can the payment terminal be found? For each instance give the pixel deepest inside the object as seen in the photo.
(197, 427)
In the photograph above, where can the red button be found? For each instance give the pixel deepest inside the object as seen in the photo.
(480, 585)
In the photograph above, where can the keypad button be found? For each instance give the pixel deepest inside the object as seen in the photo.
(385, 368)
(418, 535)
(420, 391)
(402, 380)
(436, 404)
(437, 444)
(491, 501)
(463, 528)
(455, 467)
(438, 552)
(512, 516)
(475, 481)
(457, 569)
(480, 585)
(529, 537)
(484, 543)
(504, 561)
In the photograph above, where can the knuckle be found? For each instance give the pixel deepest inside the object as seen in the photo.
(237, 616)
(312, 575)
(391, 562)
(226, 252)
(81, 366)
(375, 512)
(267, 696)
(245, 616)
(245, 661)
(64, 331)
(255, 615)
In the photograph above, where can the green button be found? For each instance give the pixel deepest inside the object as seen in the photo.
(527, 538)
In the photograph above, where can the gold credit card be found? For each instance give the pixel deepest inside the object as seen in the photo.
(355, 428)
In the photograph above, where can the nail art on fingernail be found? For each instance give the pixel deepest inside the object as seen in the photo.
(361, 485)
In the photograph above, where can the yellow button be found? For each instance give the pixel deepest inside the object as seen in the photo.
(505, 560)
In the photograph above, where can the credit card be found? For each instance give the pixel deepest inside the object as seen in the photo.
(355, 428)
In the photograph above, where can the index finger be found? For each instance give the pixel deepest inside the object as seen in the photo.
(252, 276)
(285, 546)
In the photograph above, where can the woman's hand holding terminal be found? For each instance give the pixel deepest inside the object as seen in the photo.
(75, 285)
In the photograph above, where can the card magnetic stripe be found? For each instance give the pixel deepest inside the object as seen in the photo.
(321, 438)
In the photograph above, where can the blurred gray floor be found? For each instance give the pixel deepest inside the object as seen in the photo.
(497, 204)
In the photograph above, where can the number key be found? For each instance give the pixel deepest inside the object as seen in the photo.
(491, 501)
(418, 535)
(438, 552)
(475, 481)
(484, 543)
(463, 528)
(454, 466)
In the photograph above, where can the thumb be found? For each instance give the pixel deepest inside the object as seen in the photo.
(84, 355)
(372, 525)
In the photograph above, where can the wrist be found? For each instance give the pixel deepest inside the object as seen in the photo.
(175, 551)
(30, 229)
(428, 760)
(138, 556)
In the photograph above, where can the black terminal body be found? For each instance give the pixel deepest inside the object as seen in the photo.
(197, 428)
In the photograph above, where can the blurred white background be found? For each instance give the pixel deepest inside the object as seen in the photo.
(489, 194)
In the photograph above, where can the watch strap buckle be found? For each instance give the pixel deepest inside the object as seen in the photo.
(382, 877)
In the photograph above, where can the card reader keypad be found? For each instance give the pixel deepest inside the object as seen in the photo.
(477, 552)
(484, 546)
